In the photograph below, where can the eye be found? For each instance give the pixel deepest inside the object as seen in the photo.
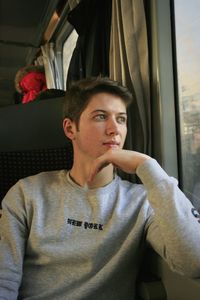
(121, 119)
(100, 117)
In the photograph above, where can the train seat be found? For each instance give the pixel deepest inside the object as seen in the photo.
(31, 141)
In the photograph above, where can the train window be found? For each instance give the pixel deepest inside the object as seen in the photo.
(68, 48)
(187, 23)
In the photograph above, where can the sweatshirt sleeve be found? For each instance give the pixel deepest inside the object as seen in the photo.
(12, 243)
(173, 230)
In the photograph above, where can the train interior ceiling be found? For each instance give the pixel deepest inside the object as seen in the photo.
(24, 26)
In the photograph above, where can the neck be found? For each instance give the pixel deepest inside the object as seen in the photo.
(80, 173)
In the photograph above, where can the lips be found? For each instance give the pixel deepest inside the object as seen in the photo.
(111, 144)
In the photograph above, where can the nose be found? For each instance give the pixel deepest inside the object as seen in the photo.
(112, 127)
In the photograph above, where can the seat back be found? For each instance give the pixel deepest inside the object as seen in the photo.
(31, 141)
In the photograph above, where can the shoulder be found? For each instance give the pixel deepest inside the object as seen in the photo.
(44, 177)
(34, 190)
(128, 185)
(41, 181)
(132, 197)
(132, 190)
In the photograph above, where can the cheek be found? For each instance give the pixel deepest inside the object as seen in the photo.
(94, 130)
(123, 137)
(89, 137)
(124, 133)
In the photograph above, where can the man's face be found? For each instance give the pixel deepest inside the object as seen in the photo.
(102, 126)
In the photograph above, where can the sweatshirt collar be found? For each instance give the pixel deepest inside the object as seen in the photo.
(103, 189)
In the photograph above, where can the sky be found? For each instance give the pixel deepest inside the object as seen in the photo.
(187, 16)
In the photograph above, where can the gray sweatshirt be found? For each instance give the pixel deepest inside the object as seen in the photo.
(61, 241)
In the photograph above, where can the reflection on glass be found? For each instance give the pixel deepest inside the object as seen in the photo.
(68, 49)
(187, 23)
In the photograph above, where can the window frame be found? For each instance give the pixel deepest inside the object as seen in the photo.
(163, 91)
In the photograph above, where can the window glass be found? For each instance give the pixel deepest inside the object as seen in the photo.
(187, 24)
(68, 48)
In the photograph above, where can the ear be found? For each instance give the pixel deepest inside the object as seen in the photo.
(69, 128)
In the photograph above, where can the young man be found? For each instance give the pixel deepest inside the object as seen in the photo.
(80, 234)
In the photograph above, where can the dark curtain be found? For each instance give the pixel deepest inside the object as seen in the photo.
(92, 21)
(129, 64)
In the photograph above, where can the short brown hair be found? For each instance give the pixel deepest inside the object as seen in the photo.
(80, 93)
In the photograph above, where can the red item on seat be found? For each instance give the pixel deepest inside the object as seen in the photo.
(32, 84)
